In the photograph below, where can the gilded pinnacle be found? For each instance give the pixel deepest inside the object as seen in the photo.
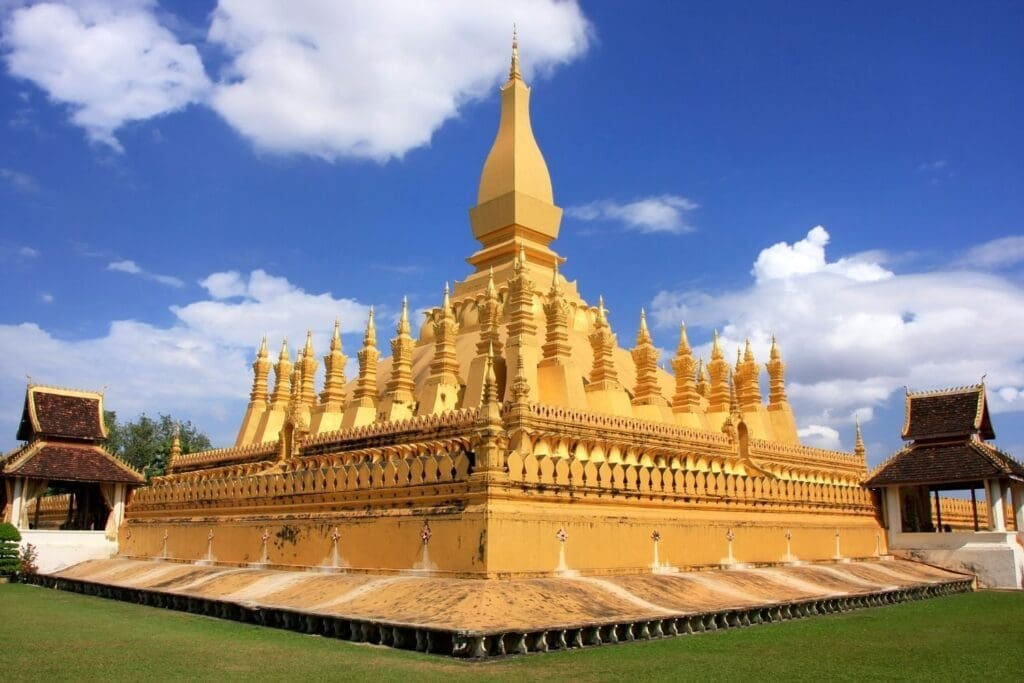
(336, 336)
(513, 72)
(716, 349)
(284, 350)
(643, 335)
(370, 338)
(403, 320)
(684, 342)
(262, 353)
(309, 344)
(602, 319)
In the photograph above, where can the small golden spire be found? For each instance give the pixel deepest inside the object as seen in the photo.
(716, 348)
(643, 335)
(370, 338)
(684, 341)
(859, 445)
(492, 291)
(446, 302)
(513, 72)
(602, 313)
(262, 353)
(775, 353)
(403, 320)
(176, 442)
(336, 336)
(556, 288)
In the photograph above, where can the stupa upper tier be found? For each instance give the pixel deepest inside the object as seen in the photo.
(517, 318)
(515, 204)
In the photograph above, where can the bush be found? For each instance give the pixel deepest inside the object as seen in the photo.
(10, 560)
(28, 562)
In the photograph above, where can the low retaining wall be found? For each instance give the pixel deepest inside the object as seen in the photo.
(458, 643)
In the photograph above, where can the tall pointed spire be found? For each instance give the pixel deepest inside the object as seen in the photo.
(777, 377)
(308, 370)
(398, 395)
(260, 371)
(645, 357)
(556, 313)
(362, 409)
(718, 368)
(686, 399)
(513, 71)
(515, 201)
(441, 392)
(703, 388)
(282, 377)
(858, 447)
(334, 371)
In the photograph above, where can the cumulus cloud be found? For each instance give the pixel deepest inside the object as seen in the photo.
(998, 253)
(327, 78)
(197, 367)
(373, 80)
(109, 62)
(820, 436)
(28, 252)
(132, 268)
(854, 332)
(46, 297)
(807, 256)
(661, 213)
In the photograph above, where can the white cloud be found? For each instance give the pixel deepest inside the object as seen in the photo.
(1005, 251)
(28, 252)
(661, 213)
(125, 266)
(197, 367)
(807, 256)
(132, 268)
(328, 78)
(852, 334)
(820, 436)
(46, 297)
(19, 181)
(110, 62)
(374, 80)
(932, 166)
(225, 285)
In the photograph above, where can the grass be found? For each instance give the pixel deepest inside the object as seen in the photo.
(47, 635)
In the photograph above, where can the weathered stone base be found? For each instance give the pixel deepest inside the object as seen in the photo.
(496, 617)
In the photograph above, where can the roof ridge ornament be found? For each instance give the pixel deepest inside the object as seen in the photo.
(514, 73)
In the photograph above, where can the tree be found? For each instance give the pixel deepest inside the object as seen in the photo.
(145, 444)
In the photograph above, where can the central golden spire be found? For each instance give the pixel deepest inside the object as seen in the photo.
(515, 203)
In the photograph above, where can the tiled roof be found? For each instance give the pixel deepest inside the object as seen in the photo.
(952, 412)
(949, 462)
(69, 462)
(61, 413)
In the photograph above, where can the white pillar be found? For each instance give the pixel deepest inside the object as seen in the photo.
(118, 505)
(1018, 505)
(893, 512)
(17, 502)
(995, 505)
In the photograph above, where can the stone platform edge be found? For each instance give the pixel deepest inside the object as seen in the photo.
(479, 644)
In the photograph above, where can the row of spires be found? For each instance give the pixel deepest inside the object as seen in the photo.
(726, 390)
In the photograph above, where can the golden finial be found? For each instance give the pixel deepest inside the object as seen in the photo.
(446, 302)
(716, 348)
(513, 71)
(262, 353)
(684, 342)
(403, 320)
(775, 353)
(492, 291)
(309, 344)
(602, 317)
(370, 338)
(284, 350)
(336, 336)
(859, 445)
(748, 353)
(555, 286)
(644, 335)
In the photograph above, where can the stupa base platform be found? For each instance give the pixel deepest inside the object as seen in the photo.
(479, 618)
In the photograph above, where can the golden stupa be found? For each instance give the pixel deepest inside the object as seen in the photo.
(512, 437)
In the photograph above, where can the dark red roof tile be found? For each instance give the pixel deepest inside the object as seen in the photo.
(61, 415)
(65, 462)
(933, 463)
(948, 413)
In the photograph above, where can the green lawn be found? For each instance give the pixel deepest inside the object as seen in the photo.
(47, 634)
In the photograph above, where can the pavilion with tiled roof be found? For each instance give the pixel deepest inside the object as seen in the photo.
(63, 432)
(948, 432)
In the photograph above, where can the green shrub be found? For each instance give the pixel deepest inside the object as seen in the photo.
(10, 559)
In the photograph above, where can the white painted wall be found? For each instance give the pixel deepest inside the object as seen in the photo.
(58, 550)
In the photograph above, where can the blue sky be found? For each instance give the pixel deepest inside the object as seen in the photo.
(176, 179)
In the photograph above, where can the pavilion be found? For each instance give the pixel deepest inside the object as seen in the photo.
(948, 431)
(63, 432)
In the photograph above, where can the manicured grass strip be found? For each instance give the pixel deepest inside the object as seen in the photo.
(49, 635)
